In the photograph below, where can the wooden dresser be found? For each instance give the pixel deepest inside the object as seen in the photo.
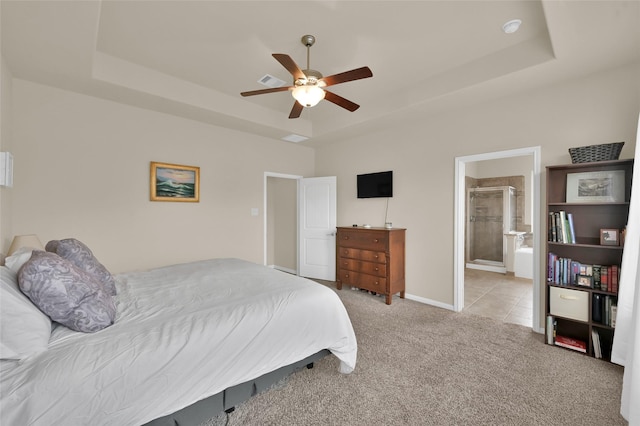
(371, 259)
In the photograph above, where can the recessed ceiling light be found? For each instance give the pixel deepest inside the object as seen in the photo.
(511, 26)
(294, 138)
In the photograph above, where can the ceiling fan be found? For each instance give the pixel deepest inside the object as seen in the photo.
(309, 85)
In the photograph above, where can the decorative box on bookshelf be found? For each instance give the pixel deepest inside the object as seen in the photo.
(583, 268)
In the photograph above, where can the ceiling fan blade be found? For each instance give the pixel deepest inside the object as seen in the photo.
(263, 91)
(340, 101)
(289, 64)
(356, 74)
(296, 110)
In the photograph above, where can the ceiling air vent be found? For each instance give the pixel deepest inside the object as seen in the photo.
(271, 81)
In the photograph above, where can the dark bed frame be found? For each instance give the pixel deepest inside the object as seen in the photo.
(227, 400)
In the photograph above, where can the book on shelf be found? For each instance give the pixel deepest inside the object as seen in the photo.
(566, 271)
(596, 276)
(597, 349)
(615, 276)
(596, 308)
(551, 329)
(561, 228)
(603, 309)
(553, 232)
(604, 278)
(572, 232)
(569, 343)
(558, 227)
(564, 226)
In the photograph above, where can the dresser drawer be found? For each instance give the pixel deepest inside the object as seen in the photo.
(377, 269)
(567, 303)
(366, 240)
(365, 281)
(366, 255)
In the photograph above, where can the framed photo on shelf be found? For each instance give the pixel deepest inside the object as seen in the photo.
(173, 182)
(596, 187)
(609, 237)
(584, 280)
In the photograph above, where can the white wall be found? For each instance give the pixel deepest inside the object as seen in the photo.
(82, 170)
(597, 109)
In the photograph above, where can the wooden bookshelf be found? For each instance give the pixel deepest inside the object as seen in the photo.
(570, 307)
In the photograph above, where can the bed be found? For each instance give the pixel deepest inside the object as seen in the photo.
(188, 338)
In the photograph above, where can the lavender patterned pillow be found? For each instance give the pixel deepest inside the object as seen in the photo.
(67, 294)
(81, 256)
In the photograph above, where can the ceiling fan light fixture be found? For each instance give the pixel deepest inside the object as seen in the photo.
(308, 95)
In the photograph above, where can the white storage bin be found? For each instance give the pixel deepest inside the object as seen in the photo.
(568, 303)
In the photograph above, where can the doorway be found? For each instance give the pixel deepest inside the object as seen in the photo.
(461, 165)
(281, 222)
(300, 224)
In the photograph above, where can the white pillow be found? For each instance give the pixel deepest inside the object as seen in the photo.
(24, 329)
(18, 258)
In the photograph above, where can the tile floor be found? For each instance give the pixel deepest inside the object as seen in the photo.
(499, 296)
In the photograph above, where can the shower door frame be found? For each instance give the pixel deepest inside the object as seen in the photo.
(507, 224)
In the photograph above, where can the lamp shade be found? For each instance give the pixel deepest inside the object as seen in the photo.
(308, 95)
(20, 241)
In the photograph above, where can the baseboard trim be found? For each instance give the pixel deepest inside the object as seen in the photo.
(283, 269)
(429, 302)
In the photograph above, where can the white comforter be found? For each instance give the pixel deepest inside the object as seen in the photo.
(182, 333)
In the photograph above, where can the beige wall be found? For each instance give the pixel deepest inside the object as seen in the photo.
(82, 170)
(5, 146)
(596, 109)
(82, 165)
(282, 223)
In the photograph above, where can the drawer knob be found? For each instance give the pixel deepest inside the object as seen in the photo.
(346, 275)
(376, 269)
(375, 240)
(376, 256)
(346, 237)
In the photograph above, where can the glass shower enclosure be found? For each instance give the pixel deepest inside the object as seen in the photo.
(491, 213)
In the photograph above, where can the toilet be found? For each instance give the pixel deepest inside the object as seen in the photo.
(523, 262)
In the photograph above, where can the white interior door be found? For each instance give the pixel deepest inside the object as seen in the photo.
(317, 228)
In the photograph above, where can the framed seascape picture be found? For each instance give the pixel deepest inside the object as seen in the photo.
(173, 182)
(596, 187)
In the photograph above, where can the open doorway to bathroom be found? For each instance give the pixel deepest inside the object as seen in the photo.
(496, 197)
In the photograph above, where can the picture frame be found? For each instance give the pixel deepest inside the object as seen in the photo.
(174, 182)
(584, 280)
(609, 237)
(596, 187)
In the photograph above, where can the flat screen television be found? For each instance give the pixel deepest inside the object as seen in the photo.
(375, 185)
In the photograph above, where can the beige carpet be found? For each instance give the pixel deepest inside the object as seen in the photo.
(420, 365)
